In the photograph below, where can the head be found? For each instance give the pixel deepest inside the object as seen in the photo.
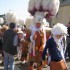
(38, 25)
(20, 34)
(23, 28)
(12, 25)
(58, 36)
(4, 28)
(59, 30)
(48, 34)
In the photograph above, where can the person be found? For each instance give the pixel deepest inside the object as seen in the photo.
(10, 42)
(68, 42)
(55, 48)
(48, 35)
(38, 40)
(3, 29)
(19, 48)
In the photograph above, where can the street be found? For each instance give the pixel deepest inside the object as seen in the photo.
(19, 66)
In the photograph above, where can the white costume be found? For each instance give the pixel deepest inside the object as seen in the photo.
(60, 29)
(31, 37)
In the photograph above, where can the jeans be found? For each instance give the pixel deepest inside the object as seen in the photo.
(8, 61)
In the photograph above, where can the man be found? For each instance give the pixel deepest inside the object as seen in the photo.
(10, 41)
(38, 40)
(55, 47)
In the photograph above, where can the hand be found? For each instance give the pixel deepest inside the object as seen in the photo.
(34, 37)
(44, 63)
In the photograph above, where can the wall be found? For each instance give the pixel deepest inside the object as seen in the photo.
(63, 15)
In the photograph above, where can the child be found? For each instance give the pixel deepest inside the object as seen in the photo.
(19, 48)
(55, 48)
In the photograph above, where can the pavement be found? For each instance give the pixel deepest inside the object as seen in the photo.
(19, 66)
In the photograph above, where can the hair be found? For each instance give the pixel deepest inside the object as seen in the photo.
(24, 26)
(69, 22)
(12, 25)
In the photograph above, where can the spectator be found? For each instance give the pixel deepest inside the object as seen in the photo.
(10, 41)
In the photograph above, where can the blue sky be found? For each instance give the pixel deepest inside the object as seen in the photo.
(20, 7)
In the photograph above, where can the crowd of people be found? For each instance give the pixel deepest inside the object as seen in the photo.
(37, 45)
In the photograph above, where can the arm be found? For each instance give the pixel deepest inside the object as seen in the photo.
(45, 50)
(15, 41)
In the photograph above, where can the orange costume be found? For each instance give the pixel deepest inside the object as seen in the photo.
(25, 44)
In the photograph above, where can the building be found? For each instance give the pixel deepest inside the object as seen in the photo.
(63, 16)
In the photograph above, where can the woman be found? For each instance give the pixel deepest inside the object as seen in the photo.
(55, 47)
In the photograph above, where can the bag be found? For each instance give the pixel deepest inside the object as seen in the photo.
(58, 65)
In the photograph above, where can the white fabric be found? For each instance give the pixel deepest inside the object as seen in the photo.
(51, 5)
(1, 20)
(59, 29)
(10, 17)
(46, 23)
(0, 27)
(45, 4)
(54, 6)
(33, 41)
(38, 17)
(58, 42)
(31, 5)
(20, 21)
(19, 50)
(38, 4)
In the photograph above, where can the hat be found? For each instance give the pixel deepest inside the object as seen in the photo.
(48, 29)
(20, 32)
(59, 29)
(20, 21)
(38, 18)
(10, 17)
